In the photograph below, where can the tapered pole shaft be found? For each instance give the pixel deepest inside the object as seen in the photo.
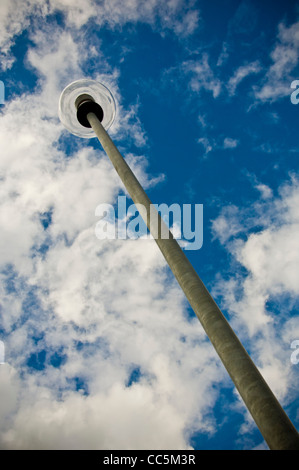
(274, 424)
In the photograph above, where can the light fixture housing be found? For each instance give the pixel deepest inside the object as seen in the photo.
(98, 93)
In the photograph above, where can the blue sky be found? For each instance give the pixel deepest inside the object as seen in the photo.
(101, 349)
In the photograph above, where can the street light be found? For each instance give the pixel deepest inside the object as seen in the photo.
(87, 108)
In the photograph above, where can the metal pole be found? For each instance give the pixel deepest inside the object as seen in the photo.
(275, 426)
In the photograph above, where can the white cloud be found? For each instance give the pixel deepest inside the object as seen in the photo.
(123, 419)
(202, 76)
(230, 143)
(15, 17)
(18, 15)
(266, 191)
(143, 416)
(227, 224)
(76, 14)
(240, 74)
(270, 257)
(277, 81)
(208, 145)
(102, 308)
(211, 144)
(174, 15)
(224, 54)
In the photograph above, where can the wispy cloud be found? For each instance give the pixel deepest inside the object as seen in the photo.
(240, 74)
(201, 76)
(284, 56)
(211, 144)
(230, 143)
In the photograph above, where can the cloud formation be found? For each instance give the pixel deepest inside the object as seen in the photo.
(262, 298)
(81, 318)
(101, 349)
(179, 17)
(284, 56)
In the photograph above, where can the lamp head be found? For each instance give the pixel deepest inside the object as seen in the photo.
(81, 97)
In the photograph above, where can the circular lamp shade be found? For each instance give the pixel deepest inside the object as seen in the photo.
(68, 111)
